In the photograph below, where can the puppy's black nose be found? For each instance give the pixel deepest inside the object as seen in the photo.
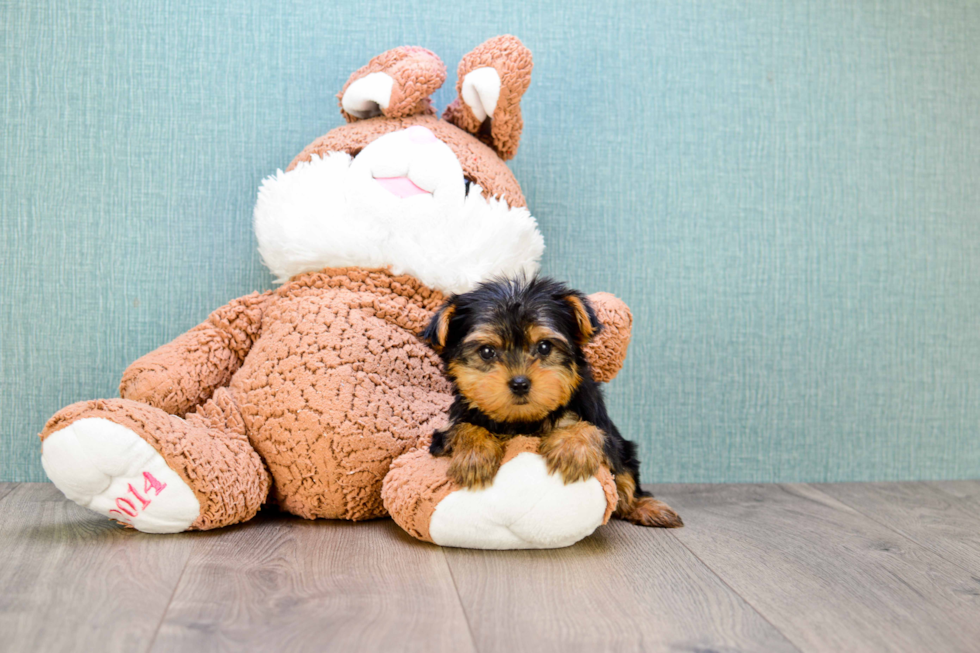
(520, 385)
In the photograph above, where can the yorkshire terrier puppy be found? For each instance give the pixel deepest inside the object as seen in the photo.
(513, 351)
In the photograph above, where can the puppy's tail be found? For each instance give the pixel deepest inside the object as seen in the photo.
(639, 507)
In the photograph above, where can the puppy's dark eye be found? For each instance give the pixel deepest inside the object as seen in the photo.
(543, 348)
(466, 185)
(487, 352)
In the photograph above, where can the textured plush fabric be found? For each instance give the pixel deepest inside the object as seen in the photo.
(115, 472)
(334, 386)
(607, 350)
(417, 484)
(338, 386)
(209, 451)
(480, 163)
(512, 61)
(184, 373)
(416, 72)
(337, 210)
(326, 378)
(785, 194)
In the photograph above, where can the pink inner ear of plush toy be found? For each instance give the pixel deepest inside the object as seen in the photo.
(401, 186)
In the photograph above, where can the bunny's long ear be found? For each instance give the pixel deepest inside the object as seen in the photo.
(492, 80)
(395, 84)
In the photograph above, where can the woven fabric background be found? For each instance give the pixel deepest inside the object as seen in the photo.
(786, 193)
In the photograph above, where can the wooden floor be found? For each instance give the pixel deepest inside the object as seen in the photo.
(865, 567)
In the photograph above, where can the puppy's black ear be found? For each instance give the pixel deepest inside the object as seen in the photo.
(586, 322)
(437, 333)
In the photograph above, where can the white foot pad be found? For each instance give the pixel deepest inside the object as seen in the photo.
(525, 508)
(107, 468)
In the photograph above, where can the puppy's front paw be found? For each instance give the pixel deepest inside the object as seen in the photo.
(475, 468)
(575, 452)
(476, 456)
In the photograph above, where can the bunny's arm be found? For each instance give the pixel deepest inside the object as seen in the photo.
(607, 351)
(185, 372)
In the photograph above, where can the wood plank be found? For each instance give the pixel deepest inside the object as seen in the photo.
(6, 488)
(968, 491)
(289, 584)
(625, 588)
(825, 575)
(73, 580)
(926, 515)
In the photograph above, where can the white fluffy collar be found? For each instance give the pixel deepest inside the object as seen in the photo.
(329, 213)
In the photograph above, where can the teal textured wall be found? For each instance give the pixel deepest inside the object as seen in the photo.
(786, 193)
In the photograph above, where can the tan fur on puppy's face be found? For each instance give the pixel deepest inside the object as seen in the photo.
(485, 386)
(513, 350)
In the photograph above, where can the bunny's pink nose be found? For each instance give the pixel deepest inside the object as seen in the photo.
(421, 135)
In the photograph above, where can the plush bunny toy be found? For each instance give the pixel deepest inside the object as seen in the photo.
(305, 395)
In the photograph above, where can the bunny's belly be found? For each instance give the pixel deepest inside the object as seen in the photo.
(331, 393)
